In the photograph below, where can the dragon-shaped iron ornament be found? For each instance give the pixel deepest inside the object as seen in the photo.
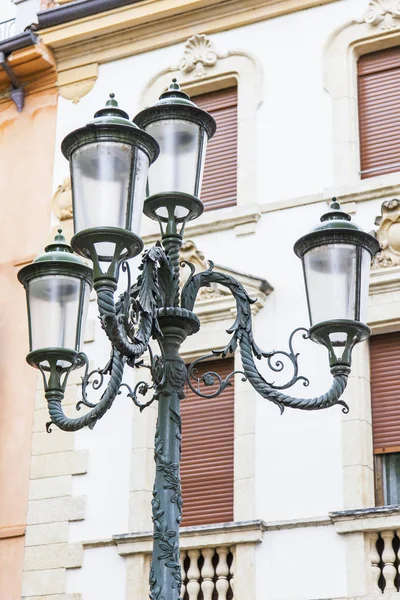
(154, 308)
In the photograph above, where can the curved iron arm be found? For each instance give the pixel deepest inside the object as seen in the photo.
(145, 296)
(54, 399)
(243, 335)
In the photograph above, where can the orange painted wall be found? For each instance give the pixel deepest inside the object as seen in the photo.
(26, 171)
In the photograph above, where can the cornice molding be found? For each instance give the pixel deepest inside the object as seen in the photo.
(153, 24)
(34, 68)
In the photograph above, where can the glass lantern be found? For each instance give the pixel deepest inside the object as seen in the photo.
(182, 130)
(109, 160)
(336, 258)
(57, 285)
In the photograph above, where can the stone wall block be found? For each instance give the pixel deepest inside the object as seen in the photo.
(53, 556)
(48, 443)
(50, 533)
(67, 508)
(60, 463)
(43, 583)
(50, 487)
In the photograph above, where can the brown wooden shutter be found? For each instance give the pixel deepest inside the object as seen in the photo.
(379, 112)
(385, 391)
(207, 452)
(220, 170)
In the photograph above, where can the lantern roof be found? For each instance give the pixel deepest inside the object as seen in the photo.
(336, 227)
(110, 124)
(58, 258)
(176, 104)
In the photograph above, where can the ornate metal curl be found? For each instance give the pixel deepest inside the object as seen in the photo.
(54, 399)
(210, 378)
(243, 336)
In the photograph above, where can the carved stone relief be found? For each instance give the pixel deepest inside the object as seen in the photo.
(388, 234)
(384, 13)
(190, 253)
(62, 201)
(198, 54)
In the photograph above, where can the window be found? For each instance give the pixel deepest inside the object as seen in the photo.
(219, 187)
(379, 112)
(385, 393)
(207, 452)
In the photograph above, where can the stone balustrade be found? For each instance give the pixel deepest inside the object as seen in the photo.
(217, 561)
(373, 550)
(209, 571)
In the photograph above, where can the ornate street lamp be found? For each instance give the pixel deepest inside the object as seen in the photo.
(108, 160)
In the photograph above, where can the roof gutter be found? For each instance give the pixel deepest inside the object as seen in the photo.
(17, 42)
(78, 10)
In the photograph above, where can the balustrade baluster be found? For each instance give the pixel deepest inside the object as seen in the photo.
(232, 569)
(388, 558)
(193, 574)
(375, 559)
(207, 573)
(222, 573)
(183, 573)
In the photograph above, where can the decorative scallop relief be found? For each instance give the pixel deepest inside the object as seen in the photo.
(199, 53)
(388, 234)
(384, 13)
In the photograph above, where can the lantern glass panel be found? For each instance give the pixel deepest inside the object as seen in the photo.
(337, 278)
(57, 317)
(180, 165)
(102, 173)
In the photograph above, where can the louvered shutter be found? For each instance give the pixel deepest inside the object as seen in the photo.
(385, 391)
(220, 170)
(207, 452)
(379, 112)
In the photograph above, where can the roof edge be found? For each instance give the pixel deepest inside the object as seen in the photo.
(78, 10)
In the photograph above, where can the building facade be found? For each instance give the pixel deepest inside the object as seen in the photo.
(299, 506)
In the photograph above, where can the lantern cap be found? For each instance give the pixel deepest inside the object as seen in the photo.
(336, 218)
(176, 104)
(336, 227)
(59, 250)
(110, 124)
(174, 95)
(111, 114)
(58, 258)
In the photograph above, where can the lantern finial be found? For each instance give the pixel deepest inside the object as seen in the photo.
(111, 109)
(335, 205)
(174, 91)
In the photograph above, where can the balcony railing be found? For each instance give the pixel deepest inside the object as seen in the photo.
(7, 29)
(373, 537)
(217, 561)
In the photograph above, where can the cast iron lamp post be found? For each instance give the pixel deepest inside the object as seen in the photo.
(109, 159)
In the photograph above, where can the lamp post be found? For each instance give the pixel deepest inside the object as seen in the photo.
(109, 159)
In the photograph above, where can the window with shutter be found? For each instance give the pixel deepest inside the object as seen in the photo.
(379, 112)
(207, 452)
(385, 395)
(219, 187)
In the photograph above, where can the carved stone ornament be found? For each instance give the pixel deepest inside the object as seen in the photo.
(384, 13)
(388, 234)
(190, 253)
(62, 201)
(199, 53)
